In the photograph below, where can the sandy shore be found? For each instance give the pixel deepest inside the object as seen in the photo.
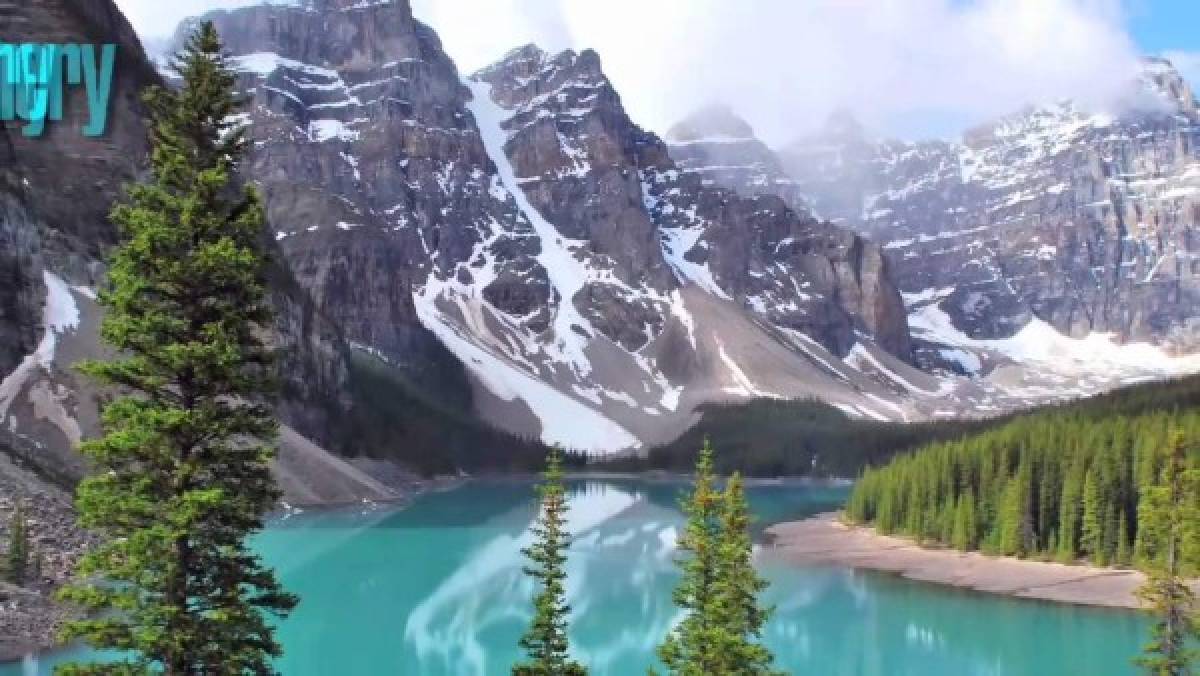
(825, 540)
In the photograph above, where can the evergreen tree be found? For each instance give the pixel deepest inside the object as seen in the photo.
(1014, 516)
(545, 642)
(182, 473)
(963, 535)
(1124, 555)
(1060, 483)
(1169, 510)
(693, 646)
(17, 569)
(1070, 512)
(1092, 535)
(736, 589)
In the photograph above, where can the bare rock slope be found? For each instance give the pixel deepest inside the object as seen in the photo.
(55, 194)
(519, 224)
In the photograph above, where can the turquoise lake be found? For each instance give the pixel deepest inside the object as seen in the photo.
(436, 588)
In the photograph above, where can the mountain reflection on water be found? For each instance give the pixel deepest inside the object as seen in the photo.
(437, 588)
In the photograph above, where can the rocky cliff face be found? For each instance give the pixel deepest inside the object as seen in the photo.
(372, 170)
(1085, 221)
(520, 225)
(19, 265)
(715, 148)
(585, 167)
(55, 193)
(77, 210)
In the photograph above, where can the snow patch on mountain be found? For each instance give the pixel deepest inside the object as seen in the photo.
(564, 420)
(60, 315)
(742, 385)
(567, 274)
(676, 242)
(1039, 343)
(861, 358)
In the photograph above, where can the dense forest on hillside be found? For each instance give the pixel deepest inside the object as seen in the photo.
(772, 437)
(404, 422)
(1062, 483)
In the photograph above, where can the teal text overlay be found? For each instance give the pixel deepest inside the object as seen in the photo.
(34, 78)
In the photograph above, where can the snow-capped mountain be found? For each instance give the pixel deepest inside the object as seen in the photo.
(1047, 255)
(55, 193)
(1080, 219)
(595, 292)
(596, 283)
(721, 148)
(510, 243)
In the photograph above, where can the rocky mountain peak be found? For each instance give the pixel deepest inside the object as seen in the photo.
(1159, 76)
(842, 126)
(715, 121)
(720, 147)
(531, 64)
(1076, 218)
(519, 223)
(353, 34)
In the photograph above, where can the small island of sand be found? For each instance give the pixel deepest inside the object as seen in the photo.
(824, 539)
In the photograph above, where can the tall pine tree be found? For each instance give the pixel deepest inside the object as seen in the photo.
(18, 557)
(1092, 529)
(545, 642)
(182, 473)
(737, 588)
(693, 646)
(1169, 511)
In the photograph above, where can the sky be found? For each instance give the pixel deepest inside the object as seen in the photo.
(905, 68)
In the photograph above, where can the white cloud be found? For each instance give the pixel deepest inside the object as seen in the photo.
(902, 66)
(158, 18)
(785, 64)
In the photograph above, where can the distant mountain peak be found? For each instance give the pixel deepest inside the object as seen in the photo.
(716, 120)
(843, 125)
(1159, 77)
(720, 147)
(530, 62)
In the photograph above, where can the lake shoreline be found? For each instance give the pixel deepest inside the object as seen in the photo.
(825, 540)
(35, 618)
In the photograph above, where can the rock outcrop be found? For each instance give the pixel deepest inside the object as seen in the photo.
(55, 194)
(513, 242)
(1083, 220)
(588, 169)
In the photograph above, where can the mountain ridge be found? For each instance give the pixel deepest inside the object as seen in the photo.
(1065, 215)
(540, 256)
(509, 248)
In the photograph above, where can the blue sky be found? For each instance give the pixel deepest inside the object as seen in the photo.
(1170, 28)
(1165, 25)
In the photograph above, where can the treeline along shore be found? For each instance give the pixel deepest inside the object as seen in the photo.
(1063, 484)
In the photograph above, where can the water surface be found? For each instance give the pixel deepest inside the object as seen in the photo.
(437, 589)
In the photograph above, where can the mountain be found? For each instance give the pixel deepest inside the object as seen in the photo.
(518, 223)
(1079, 219)
(721, 147)
(836, 165)
(472, 266)
(55, 194)
(1046, 256)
